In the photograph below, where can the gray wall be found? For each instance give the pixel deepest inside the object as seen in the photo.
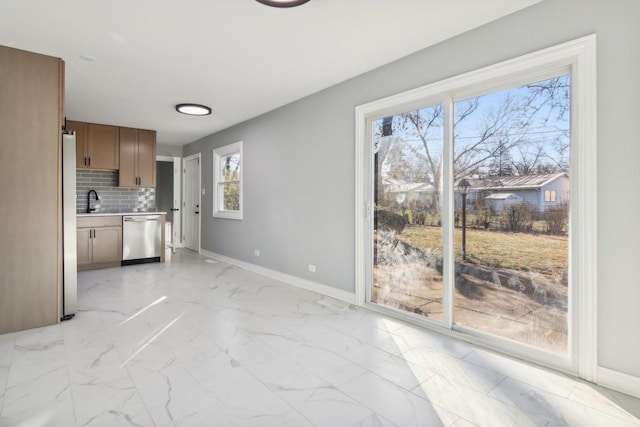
(299, 159)
(169, 150)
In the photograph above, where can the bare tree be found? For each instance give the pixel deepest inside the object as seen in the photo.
(498, 131)
(520, 131)
(512, 129)
(501, 163)
(426, 125)
(529, 156)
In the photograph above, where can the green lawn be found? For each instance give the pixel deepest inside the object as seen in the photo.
(539, 253)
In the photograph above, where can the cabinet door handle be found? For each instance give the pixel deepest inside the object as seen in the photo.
(89, 161)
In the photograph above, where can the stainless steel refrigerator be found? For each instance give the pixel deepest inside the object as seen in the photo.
(69, 242)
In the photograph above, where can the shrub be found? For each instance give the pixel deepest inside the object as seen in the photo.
(519, 216)
(483, 214)
(388, 220)
(556, 217)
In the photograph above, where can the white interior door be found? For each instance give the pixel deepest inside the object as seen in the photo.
(191, 204)
(177, 189)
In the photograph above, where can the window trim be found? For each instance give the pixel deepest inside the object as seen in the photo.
(218, 154)
(579, 57)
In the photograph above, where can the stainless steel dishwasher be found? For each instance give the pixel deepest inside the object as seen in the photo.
(141, 238)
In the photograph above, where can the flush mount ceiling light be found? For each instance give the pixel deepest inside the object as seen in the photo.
(193, 109)
(282, 3)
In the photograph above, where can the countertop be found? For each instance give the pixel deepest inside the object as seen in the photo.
(119, 213)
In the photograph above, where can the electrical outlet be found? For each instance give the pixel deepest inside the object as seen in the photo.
(312, 268)
(256, 252)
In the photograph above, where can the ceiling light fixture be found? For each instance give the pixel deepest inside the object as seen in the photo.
(193, 109)
(282, 3)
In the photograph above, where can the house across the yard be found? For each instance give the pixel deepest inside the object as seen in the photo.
(542, 191)
(408, 191)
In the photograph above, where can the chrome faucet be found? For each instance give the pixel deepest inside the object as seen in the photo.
(89, 208)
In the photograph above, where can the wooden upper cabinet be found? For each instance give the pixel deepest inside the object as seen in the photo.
(80, 129)
(147, 158)
(97, 146)
(137, 158)
(103, 147)
(128, 147)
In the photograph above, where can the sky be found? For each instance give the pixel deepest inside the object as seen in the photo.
(527, 120)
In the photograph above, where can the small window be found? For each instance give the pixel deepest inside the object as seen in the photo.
(550, 195)
(227, 181)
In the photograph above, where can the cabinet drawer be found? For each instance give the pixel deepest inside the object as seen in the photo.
(99, 221)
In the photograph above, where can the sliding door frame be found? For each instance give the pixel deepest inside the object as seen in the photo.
(578, 56)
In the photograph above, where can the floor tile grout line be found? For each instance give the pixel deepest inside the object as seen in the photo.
(6, 383)
(68, 370)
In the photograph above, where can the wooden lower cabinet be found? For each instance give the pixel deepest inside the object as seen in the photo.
(99, 242)
(85, 247)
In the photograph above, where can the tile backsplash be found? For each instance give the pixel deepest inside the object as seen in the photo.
(112, 198)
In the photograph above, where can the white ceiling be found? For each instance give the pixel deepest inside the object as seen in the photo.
(238, 56)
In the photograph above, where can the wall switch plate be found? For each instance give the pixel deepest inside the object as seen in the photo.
(203, 191)
(312, 268)
(256, 252)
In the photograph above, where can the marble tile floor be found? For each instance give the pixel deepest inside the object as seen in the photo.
(196, 342)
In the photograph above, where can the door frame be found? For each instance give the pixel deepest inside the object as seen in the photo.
(582, 320)
(197, 156)
(176, 227)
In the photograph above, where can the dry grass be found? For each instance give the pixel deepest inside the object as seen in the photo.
(517, 251)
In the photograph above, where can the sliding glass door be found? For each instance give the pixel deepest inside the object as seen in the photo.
(471, 205)
(407, 227)
(511, 189)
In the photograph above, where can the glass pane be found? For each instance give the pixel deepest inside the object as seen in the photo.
(230, 167)
(407, 271)
(511, 183)
(230, 196)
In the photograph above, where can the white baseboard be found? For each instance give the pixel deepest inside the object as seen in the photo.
(619, 381)
(286, 278)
